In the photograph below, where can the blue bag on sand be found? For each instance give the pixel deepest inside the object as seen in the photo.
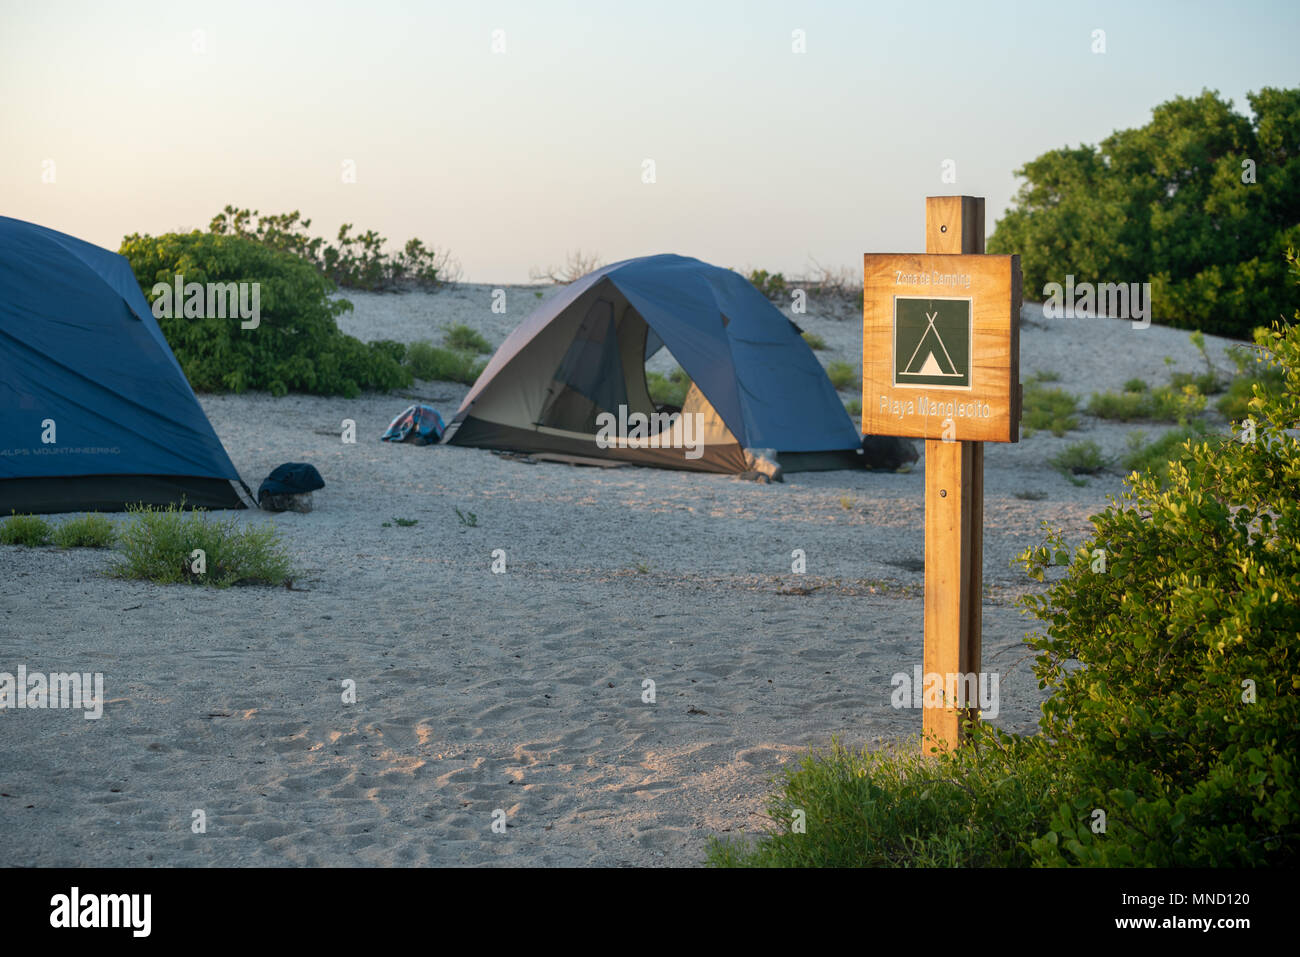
(419, 424)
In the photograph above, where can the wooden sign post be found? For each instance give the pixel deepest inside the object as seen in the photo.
(941, 362)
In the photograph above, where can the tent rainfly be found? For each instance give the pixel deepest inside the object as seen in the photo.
(571, 377)
(95, 412)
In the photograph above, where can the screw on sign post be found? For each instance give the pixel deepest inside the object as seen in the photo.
(941, 362)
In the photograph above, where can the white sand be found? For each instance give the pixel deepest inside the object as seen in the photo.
(519, 691)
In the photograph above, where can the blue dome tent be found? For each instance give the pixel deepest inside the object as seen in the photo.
(578, 362)
(95, 412)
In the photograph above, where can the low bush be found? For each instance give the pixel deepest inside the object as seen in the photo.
(359, 261)
(85, 531)
(1163, 404)
(843, 375)
(435, 364)
(1047, 409)
(772, 285)
(1204, 383)
(1255, 368)
(1154, 457)
(159, 544)
(1080, 458)
(296, 345)
(462, 338)
(898, 808)
(30, 530)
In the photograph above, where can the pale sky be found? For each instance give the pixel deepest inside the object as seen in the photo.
(157, 114)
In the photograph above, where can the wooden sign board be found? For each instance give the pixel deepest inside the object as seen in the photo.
(941, 347)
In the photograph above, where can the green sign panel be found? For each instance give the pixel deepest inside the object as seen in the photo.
(932, 342)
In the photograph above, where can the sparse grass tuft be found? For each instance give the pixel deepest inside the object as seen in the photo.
(29, 530)
(1124, 406)
(461, 338)
(1081, 458)
(842, 375)
(468, 519)
(158, 545)
(87, 531)
(1164, 404)
(854, 408)
(431, 363)
(814, 341)
(1050, 409)
(897, 807)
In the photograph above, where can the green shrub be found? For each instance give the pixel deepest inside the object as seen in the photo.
(843, 375)
(390, 349)
(898, 808)
(668, 389)
(1051, 409)
(462, 338)
(1155, 457)
(86, 531)
(1169, 654)
(814, 341)
(1136, 385)
(1199, 602)
(1166, 203)
(429, 362)
(296, 347)
(29, 530)
(1081, 458)
(1125, 406)
(1164, 404)
(359, 261)
(1203, 383)
(158, 545)
(854, 408)
(772, 285)
(1255, 367)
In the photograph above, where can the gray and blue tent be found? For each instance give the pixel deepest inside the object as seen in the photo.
(582, 354)
(95, 412)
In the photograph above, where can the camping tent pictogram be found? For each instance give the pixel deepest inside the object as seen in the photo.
(932, 342)
(931, 365)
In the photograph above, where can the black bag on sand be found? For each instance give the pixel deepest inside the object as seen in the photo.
(289, 487)
(888, 452)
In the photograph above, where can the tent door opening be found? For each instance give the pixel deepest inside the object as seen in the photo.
(602, 370)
